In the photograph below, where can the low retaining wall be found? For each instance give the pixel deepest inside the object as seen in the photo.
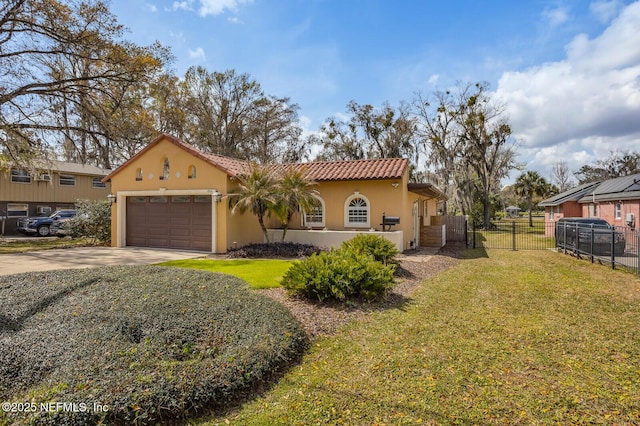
(331, 238)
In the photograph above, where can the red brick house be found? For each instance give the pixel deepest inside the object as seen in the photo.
(615, 200)
(565, 204)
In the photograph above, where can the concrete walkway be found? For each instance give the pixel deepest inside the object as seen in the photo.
(88, 257)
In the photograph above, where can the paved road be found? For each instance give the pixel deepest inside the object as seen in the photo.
(88, 257)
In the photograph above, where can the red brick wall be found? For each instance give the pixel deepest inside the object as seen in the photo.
(567, 209)
(606, 211)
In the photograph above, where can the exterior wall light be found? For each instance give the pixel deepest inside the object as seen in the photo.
(112, 198)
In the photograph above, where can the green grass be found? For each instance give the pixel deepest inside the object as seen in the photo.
(257, 273)
(502, 338)
(34, 244)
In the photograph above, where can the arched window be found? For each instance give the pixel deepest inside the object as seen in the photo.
(192, 172)
(356, 211)
(138, 174)
(315, 216)
(165, 169)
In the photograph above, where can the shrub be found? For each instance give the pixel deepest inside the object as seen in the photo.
(271, 250)
(152, 343)
(339, 274)
(380, 248)
(92, 221)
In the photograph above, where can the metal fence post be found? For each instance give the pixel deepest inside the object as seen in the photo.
(513, 235)
(592, 240)
(474, 234)
(613, 247)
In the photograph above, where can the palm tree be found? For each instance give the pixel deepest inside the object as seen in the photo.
(295, 193)
(528, 185)
(257, 192)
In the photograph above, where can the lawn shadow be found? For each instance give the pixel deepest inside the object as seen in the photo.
(476, 253)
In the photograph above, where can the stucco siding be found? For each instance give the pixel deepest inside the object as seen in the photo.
(151, 168)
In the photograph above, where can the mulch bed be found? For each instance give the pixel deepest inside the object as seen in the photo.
(322, 319)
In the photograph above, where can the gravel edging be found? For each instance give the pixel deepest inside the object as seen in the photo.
(322, 319)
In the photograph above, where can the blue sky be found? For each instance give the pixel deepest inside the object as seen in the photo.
(568, 71)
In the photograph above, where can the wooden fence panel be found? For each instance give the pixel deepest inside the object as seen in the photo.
(456, 226)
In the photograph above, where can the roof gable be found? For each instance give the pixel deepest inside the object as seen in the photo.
(382, 168)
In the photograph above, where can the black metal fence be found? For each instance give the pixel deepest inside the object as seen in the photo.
(514, 235)
(615, 246)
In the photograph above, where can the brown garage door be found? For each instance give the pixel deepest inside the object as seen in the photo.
(180, 222)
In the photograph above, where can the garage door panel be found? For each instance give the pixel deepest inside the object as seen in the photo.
(178, 222)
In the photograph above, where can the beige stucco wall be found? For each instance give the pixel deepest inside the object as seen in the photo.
(235, 230)
(389, 196)
(208, 178)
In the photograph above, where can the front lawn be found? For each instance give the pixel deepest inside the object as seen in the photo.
(505, 337)
(8, 246)
(258, 273)
(150, 344)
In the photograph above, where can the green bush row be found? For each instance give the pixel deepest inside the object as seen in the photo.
(362, 267)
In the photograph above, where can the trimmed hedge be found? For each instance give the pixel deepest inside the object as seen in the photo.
(339, 274)
(278, 249)
(154, 344)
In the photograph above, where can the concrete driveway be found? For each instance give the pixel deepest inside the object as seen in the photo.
(88, 257)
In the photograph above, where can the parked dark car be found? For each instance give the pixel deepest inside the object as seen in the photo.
(59, 227)
(41, 225)
(575, 233)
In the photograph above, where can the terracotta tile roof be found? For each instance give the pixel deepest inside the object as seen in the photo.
(231, 166)
(383, 168)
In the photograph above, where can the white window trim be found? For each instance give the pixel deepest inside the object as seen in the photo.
(96, 182)
(315, 224)
(348, 224)
(617, 211)
(15, 209)
(67, 178)
(28, 175)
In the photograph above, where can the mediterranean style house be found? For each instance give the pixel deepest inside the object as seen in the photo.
(172, 195)
(57, 185)
(615, 200)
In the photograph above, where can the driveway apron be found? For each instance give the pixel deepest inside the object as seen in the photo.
(88, 257)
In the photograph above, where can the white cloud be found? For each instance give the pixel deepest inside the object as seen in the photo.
(179, 36)
(197, 54)
(216, 7)
(152, 7)
(605, 10)
(556, 17)
(585, 105)
(182, 5)
(433, 79)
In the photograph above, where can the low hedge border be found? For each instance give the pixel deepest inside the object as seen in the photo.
(154, 344)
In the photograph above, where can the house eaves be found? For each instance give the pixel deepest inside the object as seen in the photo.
(427, 190)
(622, 188)
(573, 194)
